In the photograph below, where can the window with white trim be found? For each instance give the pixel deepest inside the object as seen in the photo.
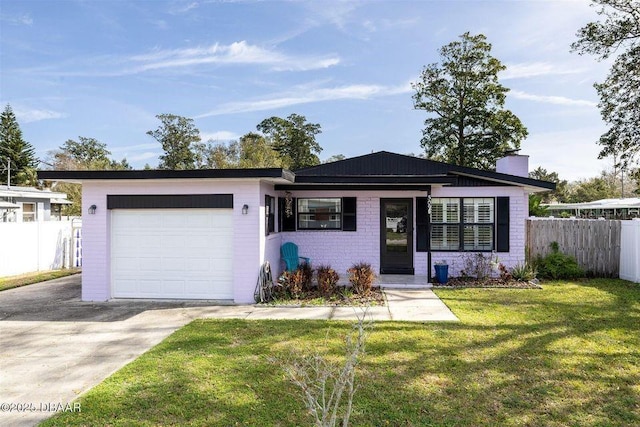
(468, 229)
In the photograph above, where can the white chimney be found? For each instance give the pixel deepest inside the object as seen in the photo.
(513, 164)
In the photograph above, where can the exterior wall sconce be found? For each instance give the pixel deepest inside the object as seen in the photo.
(92, 209)
(245, 209)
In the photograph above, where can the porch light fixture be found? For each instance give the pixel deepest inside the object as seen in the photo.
(92, 209)
(245, 209)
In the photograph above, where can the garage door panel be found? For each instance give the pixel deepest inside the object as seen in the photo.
(172, 253)
(125, 264)
(200, 265)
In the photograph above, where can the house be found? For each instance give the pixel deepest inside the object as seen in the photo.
(627, 208)
(29, 204)
(204, 234)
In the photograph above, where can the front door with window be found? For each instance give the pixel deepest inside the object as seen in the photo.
(396, 236)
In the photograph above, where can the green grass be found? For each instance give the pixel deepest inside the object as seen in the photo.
(31, 278)
(568, 354)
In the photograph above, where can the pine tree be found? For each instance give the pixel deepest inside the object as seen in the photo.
(15, 150)
(467, 123)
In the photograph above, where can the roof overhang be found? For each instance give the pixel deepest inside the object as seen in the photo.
(275, 175)
(530, 185)
(30, 193)
(8, 205)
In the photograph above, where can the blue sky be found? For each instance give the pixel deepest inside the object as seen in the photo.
(104, 69)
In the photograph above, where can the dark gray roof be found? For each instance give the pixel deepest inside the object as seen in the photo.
(376, 169)
(385, 165)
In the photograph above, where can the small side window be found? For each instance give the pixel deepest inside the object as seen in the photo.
(269, 214)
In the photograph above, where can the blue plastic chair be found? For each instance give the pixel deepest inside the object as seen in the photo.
(289, 253)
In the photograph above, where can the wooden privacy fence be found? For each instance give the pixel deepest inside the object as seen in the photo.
(594, 243)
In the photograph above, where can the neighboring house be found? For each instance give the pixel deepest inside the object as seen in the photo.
(627, 208)
(204, 234)
(28, 204)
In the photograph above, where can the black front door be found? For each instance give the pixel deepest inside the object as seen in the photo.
(396, 236)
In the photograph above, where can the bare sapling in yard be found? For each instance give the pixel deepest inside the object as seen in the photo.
(328, 388)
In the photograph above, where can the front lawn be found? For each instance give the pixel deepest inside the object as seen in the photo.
(568, 354)
(11, 282)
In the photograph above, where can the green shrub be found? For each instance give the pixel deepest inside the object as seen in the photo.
(557, 265)
(327, 279)
(361, 276)
(523, 272)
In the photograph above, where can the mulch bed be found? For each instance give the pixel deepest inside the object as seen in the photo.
(460, 282)
(314, 298)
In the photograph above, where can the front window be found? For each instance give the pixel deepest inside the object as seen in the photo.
(468, 229)
(320, 214)
(28, 212)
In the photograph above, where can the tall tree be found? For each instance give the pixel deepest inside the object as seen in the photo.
(83, 154)
(588, 190)
(617, 34)
(250, 151)
(16, 151)
(294, 139)
(560, 194)
(334, 158)
(178, 136)
(468, 124)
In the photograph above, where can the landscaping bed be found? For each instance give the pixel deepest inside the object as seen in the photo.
(343, 296)
(491, 282)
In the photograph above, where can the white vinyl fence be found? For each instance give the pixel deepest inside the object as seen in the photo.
(37, 246)
(630, 251)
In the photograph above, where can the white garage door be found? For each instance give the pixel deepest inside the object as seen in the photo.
(172, 253)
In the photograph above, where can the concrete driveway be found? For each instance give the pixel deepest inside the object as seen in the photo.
(54, 347)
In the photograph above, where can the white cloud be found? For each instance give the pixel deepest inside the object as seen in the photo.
(305, 96)
(183, 7)
(28, 115)
(236, 53)
(550, 99)
(222, 135)
(535, 69)
(23, 19)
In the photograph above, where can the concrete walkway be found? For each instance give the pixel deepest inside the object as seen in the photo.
(53, 347)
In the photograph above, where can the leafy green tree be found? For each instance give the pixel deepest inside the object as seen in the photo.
(294, 139)
(178, 137)
(535, 206)
(468, 124)
(17, 151)
(250, 151)
(617, 34)
(83, 154)
(560, 194)
(588, 190)
(334, 158)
